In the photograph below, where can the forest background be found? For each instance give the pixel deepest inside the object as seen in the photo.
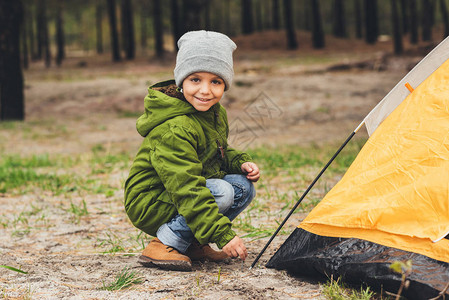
(73, 75)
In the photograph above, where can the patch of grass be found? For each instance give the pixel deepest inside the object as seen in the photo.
(336, 290)
(17, 171)
(286, 157)
(113, 242)
(103, 162)
(8, 125)
(125, 279)
(78, 210)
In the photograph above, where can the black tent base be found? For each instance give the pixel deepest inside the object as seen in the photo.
(359, 262)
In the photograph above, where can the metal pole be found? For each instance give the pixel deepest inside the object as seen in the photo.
(304, 194)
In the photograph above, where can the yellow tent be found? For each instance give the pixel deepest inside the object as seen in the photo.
(396, 192)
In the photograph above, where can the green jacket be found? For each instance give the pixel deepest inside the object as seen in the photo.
(182, 147)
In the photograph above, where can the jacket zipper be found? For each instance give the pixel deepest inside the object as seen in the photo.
(219, 146)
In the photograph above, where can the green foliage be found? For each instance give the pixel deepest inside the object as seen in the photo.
(336, 290)
(123, 280)
(113, 242)
(17, 171)
(78, 210)
(13, 269)
(405, 269)
(402, 267)
(275, 159)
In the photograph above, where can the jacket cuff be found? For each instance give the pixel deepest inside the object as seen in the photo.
(225, 238)
(237, 167)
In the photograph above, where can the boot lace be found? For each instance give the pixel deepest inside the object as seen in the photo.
(170, 249)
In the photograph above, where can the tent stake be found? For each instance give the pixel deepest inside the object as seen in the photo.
(304, 194)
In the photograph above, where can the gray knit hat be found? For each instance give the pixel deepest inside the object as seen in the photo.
(205, 51)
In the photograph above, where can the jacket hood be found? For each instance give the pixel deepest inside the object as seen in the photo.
(162, 103)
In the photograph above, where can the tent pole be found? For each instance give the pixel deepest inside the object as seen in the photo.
(305, 193)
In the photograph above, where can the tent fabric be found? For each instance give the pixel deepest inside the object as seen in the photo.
(396, 192)
(414, 78)
(357, 261)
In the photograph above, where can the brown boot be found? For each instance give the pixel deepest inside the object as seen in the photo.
(205, 252)
(164, 257)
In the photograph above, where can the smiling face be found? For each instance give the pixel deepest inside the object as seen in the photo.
(203, 90)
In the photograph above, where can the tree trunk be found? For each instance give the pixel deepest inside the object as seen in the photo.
(307, 8)
(405, 16)
(397, 33)
(175, 23)
(289, 25)
(113, 30)
(276, 23)
(317, 26)
(60, 42)
(227, 17)
(371, 21)
(259, 15)
(207, 24)
(128, 29)
(247, 17)
(158, 29)
(45, 36)
(413, 22)
(31, 35)
(358, 19)
(24, 37)
(11, 78)
(39, 30)
(192, 13)
(99, 26)
(445, 17)
(339, 26)
(427, 20)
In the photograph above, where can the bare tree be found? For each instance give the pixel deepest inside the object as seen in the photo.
(445, 17)
(371, 21)
(158, 28)
(317, 26)
(358, 19)
(247, 17)
(11, 78)
(43, 39)
(60, 40)
(413, 22)
(24, 39)
(259, 15)
(207, 23)
(99, 25)
(113, 30)
(405, 16)
(338, 12)
(227, 16)
(129, 43)
(176, 27)
(397, 33)
(192, 14)
(275, 15)
(30, 29)
(289, 25)
(427, 20)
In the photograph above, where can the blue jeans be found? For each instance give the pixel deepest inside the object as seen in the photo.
(232, 194)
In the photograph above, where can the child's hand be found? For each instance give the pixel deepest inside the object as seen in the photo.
(236, 248)
(251, 170)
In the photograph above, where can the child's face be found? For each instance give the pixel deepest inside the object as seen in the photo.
(203, 90)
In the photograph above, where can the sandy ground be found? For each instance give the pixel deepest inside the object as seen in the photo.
(273, 101)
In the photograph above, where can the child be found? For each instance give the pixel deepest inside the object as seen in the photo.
(186, 185)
